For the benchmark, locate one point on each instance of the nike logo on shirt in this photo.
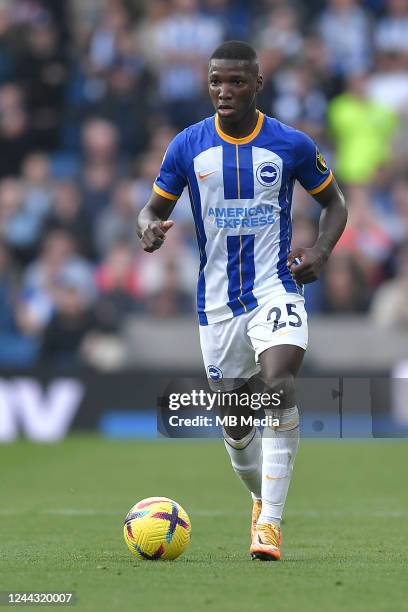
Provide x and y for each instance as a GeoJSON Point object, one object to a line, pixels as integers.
{"type": "Point", "coordinates": [204, 175]}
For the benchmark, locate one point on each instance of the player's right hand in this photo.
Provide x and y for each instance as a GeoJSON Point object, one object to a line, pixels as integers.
{"type": "Point", "coordinates": [154, 235]}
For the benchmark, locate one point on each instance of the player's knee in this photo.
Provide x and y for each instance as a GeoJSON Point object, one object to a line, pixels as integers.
{"type": "Point", "coordinates": [236, 424]}
{"type": "Point", "coordinates": [240, 433]}
{"type": "Point", "coordinates": [281, 388]}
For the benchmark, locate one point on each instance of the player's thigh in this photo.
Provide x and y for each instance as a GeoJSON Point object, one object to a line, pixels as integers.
{"type": "Point", "coordinates": [228, 353]}
{"type": "Point", "coordinates": [279, 335]}
{"type": "Point", "coordinates": [280, 321]}
{"type": "Point", "coordinates": [279, 367]}
{"type": "Point", "coordinates": [280, 361]}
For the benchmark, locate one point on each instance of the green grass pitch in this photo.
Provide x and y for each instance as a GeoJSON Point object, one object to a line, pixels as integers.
{"type": "Point", "coordinates": [345, 531]}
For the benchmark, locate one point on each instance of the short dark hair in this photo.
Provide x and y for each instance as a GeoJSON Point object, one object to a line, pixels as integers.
{"type": "Point", "coordinates": [235, 50]}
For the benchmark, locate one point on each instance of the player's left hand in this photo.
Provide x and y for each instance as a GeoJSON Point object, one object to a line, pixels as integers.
{"type": "Point", "coordinates": [305, 264]}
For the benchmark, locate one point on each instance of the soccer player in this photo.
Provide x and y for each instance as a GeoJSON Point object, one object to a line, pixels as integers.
{"type": "Point", "coordinates": [240, 167]}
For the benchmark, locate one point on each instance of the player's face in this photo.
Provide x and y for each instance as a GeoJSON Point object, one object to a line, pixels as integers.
{"type": "Point", "coordinates": [233, 86]}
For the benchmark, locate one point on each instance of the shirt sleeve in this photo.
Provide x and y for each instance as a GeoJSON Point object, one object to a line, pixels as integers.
{"type": "Point", "coordinates": [311, 169]}
{"type": "Point", "coordinates": [172, 177]}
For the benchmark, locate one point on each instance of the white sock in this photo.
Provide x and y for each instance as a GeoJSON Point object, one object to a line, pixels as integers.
{"type": "Point", "coordinates": [246, 459]}
{"type": "Point", "coordinates": [279, 447]}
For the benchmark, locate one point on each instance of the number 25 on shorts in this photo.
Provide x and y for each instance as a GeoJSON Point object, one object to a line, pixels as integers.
{"type": "Point", "coordinates": [275, 315]}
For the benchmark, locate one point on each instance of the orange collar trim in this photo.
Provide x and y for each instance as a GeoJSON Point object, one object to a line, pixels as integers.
{"type": "Point", "coordinates": [244, 140]}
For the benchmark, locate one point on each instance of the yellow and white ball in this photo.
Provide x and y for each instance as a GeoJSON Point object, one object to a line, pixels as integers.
{"type": "Point", "coordinates": [157, 528]}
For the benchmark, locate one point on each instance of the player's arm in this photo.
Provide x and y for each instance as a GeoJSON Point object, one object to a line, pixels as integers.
{"type": "Point", "coordinates": [313, 173]}
{"type": "Point", "coordinates": [332, 222]}
{"type": "Point", "coordinates": [153, 222]}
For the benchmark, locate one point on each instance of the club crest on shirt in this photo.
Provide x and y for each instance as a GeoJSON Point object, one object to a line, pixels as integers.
{"type": "Point", "coordinates": [321, 163]}
{"type": "Point", "coordinates": [214, 373]}
{"type": "Point", "coordinates": [268, 174]}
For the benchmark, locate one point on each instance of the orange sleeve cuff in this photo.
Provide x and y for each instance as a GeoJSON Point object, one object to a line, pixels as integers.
{"type": "Point", "coordinates": [164, 194]}
{"type": "Point", "coordinates": [322, 186]}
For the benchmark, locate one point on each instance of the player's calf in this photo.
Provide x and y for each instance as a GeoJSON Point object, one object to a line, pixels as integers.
{"type": "Point", "coordinates": [246, 458]}
{"type": "Point", "coordinates": [279, 447]}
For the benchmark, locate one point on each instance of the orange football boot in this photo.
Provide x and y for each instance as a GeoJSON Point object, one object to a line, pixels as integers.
{"type": "Point", "coordinates": [266, 542]}
{"type": "Point", "coordinates": [256, 511]}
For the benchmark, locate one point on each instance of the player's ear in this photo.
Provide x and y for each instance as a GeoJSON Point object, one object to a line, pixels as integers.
{"type": "Point", "coordinates": [259, 83]}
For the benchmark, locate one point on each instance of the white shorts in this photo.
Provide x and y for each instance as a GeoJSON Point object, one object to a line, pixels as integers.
{"type": "Point", "coordinates": [231, 348]}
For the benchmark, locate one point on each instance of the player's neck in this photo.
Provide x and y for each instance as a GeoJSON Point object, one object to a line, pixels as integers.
{"type": "Point", "coordinates": [241, 129]}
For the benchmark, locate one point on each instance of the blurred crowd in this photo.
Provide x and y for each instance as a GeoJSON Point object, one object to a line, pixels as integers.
{"type": "Point", "coordinates": [92, 91]}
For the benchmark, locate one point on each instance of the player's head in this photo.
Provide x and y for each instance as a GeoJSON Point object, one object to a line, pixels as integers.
{"type": "Point", "coordinates": [234, 80]}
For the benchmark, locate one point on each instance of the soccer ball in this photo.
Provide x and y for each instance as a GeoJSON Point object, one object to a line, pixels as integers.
{"type": "Point", "coordinates": [157, 528]}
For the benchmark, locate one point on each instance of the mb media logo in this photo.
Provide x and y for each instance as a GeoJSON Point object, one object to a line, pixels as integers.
{"type": "Point", "coordinates": [268, 174]}
{"type": "Point", "coordinates": [214, 373]}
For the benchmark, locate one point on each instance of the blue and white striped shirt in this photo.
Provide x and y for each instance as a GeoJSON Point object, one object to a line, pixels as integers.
{"type": "Point", "coordinates": [241, 195]}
